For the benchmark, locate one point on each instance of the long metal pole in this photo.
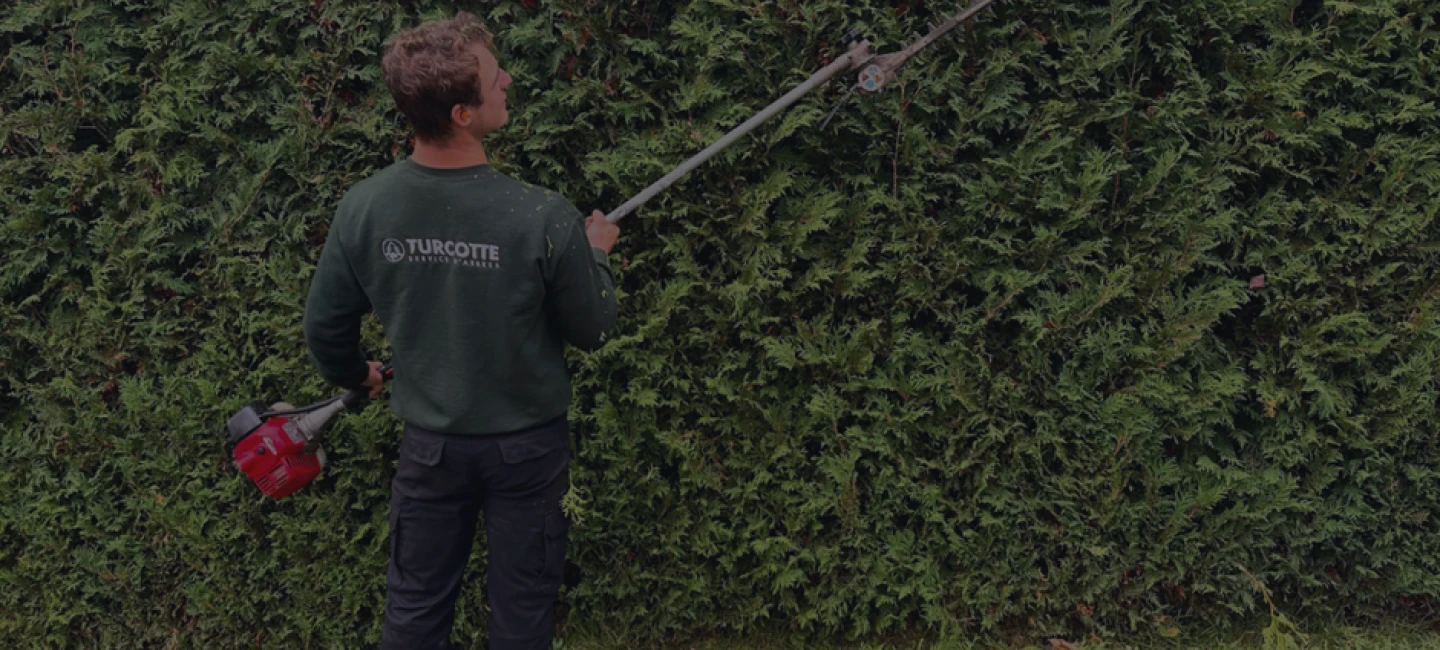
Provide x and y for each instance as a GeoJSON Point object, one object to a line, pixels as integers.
{"type": "Point", "coordinates": [858, 53]}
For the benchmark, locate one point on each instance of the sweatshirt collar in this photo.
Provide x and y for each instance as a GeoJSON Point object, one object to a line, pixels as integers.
{"type": "Point", "coordinates": [473, 171]}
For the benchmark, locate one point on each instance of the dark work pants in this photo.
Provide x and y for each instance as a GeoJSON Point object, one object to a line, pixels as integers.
{"type": "Point", "coordinates": [441, 484]}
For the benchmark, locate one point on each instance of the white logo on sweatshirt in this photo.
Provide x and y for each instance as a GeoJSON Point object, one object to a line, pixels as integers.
{"type": "Point", "coordinates": [442, 251]}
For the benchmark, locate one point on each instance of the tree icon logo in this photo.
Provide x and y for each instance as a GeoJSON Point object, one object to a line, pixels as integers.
{"type": "Point", "coordinates": [393, 249]}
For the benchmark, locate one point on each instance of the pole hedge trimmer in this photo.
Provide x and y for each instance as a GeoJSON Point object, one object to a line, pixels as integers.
{"type": "Point", "coordinates": [279, 447]}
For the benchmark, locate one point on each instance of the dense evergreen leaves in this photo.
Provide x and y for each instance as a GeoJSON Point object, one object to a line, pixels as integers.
{"type": "Point", "coordinates": [1106, 316]}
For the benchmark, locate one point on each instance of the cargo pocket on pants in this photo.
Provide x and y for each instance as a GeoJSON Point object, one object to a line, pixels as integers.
{"type": "Point", "coordinates": [557, 534]}
{"type": "Point", "coordinates": [418, 474]}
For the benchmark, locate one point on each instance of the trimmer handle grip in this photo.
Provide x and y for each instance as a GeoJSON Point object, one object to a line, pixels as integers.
{"type": "Point", "coordinates": [355, 398]}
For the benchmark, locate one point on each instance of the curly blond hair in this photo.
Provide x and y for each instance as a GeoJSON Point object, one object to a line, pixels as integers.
{"type": "Point", "coordinates": [431, 68]}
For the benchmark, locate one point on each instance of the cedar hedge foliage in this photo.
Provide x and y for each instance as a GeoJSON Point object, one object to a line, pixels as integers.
{"type": "Point", "coordinates": [1106, 317]}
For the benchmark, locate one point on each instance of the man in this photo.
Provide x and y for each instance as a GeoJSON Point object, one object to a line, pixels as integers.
{"type": "Point", "coordinates": [478, 279]}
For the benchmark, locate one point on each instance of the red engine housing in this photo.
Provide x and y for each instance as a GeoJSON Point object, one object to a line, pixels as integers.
{"type": "Point", "coordinates": [274, 457]}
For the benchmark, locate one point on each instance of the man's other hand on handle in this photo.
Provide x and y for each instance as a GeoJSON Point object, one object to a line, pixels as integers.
{"type": "Point", "coordinates": [601, 233]}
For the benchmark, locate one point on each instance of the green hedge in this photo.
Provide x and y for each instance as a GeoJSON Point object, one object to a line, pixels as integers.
{"type": "Point", "coordinates": [1101, 320]}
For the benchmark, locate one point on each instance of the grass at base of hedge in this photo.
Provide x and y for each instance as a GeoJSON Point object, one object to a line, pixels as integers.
{"type": "Point", "coordinates": [1391, 635]}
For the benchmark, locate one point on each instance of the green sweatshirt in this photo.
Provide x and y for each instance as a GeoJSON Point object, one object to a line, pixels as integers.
{"type": "Point", "coordinates": [477, 279]}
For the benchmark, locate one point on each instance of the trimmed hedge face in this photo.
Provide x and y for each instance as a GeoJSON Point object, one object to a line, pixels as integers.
{"type": "Point", "coordinates": [1099, 312]}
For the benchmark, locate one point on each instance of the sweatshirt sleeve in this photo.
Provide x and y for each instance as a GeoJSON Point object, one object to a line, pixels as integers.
{"type": "Point", "coordinates": [580, 288]}
{"type": "Point", "coordinates": [332, 317]}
